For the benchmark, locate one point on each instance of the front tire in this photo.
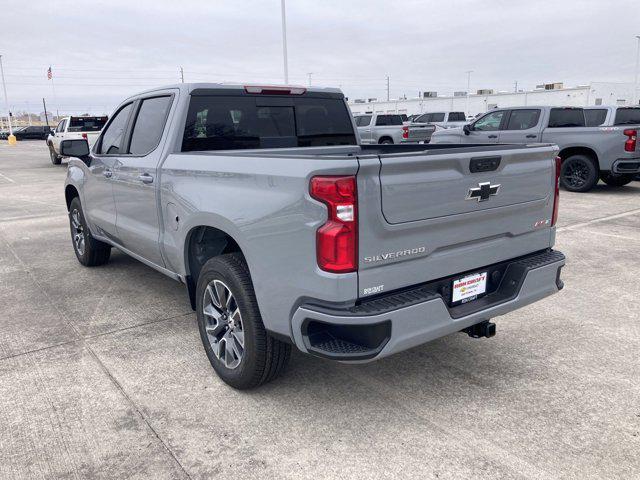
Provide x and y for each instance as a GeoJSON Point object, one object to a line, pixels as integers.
{"type": "Point", "coordinates": [616, 180]}
{"type": "Point", "coordinates": [239, 348]}
{"type": "Point", "coordinates": [55, 158]}
{"type": "Point", "coordinates": [89, 251]}
{"type": "Point", "coordinates": [578, 173]}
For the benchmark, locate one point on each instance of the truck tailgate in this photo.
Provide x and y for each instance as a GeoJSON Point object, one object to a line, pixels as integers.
{"type": "Point", "coordinates": [420, 133]}
{"type": "Point", "coordinates": [445, 211]}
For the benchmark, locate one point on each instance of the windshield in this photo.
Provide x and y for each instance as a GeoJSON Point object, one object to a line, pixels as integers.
{"type": "Point", "coordinates": [86, 124]}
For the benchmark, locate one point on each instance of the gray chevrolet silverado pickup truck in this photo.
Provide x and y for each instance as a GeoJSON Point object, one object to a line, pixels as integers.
{"type": "Point", "coordinates": [288, 232]}
{"type": "Point", "coordinates": [595, 142]}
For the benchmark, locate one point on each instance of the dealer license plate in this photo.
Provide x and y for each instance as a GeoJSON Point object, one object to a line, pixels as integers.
{"type": "Point", "coordinates": [468, 288]}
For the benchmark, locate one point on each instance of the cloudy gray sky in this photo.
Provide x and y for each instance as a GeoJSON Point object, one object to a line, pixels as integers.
{"type": "Point", "coordinates": [102, 51]}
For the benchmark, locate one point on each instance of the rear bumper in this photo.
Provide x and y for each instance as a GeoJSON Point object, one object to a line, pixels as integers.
{"type": "Point", "coordinates": [626, 165]}
{"type": "Point", "coordinates": [395, 322]}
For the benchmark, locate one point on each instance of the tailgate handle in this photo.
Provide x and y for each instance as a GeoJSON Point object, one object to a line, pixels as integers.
{"type": "Point", "coordinates": [484, 164]}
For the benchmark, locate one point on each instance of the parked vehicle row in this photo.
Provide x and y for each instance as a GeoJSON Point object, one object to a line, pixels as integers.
{"type": "Point", "coordinates": [595, 142]}
{"type": "Point", "coordinates": [289, 231]}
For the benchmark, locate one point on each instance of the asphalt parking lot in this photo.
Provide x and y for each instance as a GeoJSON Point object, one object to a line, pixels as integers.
{"type": "Point", "coordinates": [102, 373]}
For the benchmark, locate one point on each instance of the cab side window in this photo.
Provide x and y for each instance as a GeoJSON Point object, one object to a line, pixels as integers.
{"type": "Point", "coordinates": [113, 135]}
{"type": "Point", "coordinates": [149, 125]}
{"type": "Point", "coordinates": [523, 119]}
{"type": "Point", "coordinates": [490, 122]}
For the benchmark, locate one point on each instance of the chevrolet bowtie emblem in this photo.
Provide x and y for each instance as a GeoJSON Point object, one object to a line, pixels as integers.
{"type": "Point", "coordinates": [482, 192]}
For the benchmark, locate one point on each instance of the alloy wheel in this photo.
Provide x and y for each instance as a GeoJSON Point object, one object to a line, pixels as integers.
{"type": "Point", "coordinates": [576, 174]}
{"type": "Point", "coordinates": [77, 231]}
{"type": "Point", "coordinates": [223, 324]}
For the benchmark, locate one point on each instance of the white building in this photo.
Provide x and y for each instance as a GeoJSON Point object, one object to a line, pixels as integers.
{"type": "Point", "coordinates": [596, 93]}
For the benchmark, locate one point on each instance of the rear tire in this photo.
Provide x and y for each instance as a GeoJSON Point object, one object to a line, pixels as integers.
{"type": "Point", "coordinates": [578, 173]}
{"type": "Point", "coordinates": [616, 180]}
{"type": "Point", "coordinates": [386, 141]}
{"type": "Point", "coordinates": [55, 158]}
{"type": "Point", "coordinates": [89, 251]}
{"type": "Point", "coordinates": [239, 348]}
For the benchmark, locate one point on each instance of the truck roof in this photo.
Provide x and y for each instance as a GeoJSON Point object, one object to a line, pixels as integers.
{"type": "Point", "coordinates": [187, 88]}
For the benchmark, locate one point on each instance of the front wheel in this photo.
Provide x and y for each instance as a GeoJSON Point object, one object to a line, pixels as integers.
{"type": "Point", "coordinates": [89, 251]}
{"type": "Point", "coordinates": [578, 173]}
{"type": "Point", "coordinates": [55, 158]}
{"type": "Point", "coordinates": [616, 180]}
{"type": "Point", "coordinates": [239, 348]}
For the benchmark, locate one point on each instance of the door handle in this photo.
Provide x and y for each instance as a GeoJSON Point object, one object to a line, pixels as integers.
{"type": "Point", "coordinates": [493, 136]}
{"type": "Point", "coordinates": [532, 136]}
{"type": "Point", "coordinates": [145, 178]}
{"type": "Point", "coordinates": [107, 173]}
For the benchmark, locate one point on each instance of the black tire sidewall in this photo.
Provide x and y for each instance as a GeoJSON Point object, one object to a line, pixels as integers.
{"type": "Point", "coordinates": [616, 180]}
{"type": "Point", "coordinates": [245, 374]}
{"type": "Point", "coordinates": [593, 173]}
{"type": "Point", "coordinates": [55, 158]}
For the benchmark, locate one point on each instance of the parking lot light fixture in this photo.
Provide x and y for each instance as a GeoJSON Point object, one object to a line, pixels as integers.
{"type": "Point", "coordinates": [11, 138]}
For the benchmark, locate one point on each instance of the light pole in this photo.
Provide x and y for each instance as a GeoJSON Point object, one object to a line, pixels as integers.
{"type": "Point", "coordinates": [284, 42]}
{"type": "Point", "coordinates": [10, 138]}
{"type": "Point", "coordinates": [635, 83]}
{"type": "Point", "coordinates": [469, 72]}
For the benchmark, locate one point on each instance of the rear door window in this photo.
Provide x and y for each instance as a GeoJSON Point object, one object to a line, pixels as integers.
{"type": "Point", "coordinates": [220, 122]}
{"type": "Point", "coordinates": [566, 117]}
{"type": "Point", "coordinates": [386, 120]}
{"type": "Point", "coordinates": [112, 138]}
{"type": "Point", "coordinates": [523, 119]}
{"type": "Point", "coordinates": [149, 125]}
{"type": "Point", "coordinates": [363, 121]}
{"type": "Point", "coordinates": [594, 117]}
{"type": "Point", "coordinates": [627, 116]}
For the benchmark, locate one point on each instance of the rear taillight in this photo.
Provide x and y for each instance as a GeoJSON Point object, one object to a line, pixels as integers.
{"type": "Point", "coordinates": [84, 135]}
{"type": "Point", "coordinates": [337, 239]}
{"type": "Point", "coordinates": [405, 132]}
{"type": "Point", "coordinates": [556, 194]}
{"type": "Point", "coordinates": [632, 137]}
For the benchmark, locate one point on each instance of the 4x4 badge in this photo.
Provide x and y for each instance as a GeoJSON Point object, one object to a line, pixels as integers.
{"type": "Point", "coordinates": [483, 191]}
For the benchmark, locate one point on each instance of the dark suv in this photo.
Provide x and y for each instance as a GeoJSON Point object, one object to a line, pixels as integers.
{"type": "Point", "coordinates": [33, 133]}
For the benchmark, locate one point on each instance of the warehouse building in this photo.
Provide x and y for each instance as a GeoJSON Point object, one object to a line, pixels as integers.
{"type": "Point", "coordinates": [549, 94]}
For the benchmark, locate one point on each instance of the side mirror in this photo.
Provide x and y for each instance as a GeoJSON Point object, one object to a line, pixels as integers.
{"type": "Point", "coordinates": [467, 129]}
{"type": "Point", "coordinates": [75, 148]}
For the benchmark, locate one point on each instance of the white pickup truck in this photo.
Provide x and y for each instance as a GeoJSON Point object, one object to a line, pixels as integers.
{"type": "Point", "coordinates": [70, 128]}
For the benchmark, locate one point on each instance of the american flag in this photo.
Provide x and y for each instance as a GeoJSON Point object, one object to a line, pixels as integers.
{"type": "Point", "coordinates": [49, 74]}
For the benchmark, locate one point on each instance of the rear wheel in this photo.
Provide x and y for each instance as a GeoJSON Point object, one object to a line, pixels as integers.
{"type": "Point", "coordinates": [386, 141]}
{"type": "Point", "coordinates": [239, 348]}
{"type": "Point", "coordinates": [55, 158]}
{"type": "Point", "coordinates": [579, 173]}
{"type": "Point", "coordinates": [616, 180]}
{"type": "Point", "coordinates": [89, 251]}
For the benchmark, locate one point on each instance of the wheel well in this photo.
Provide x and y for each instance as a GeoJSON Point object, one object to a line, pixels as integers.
{"type": "Point", "coordinates": [382, 139]}
{"type": "Point", "coordinates": [203, 243]}
{"type": "Point", "coordinates": [69, 194]}
{"type": "Point", "coordinates": [569, 151]}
